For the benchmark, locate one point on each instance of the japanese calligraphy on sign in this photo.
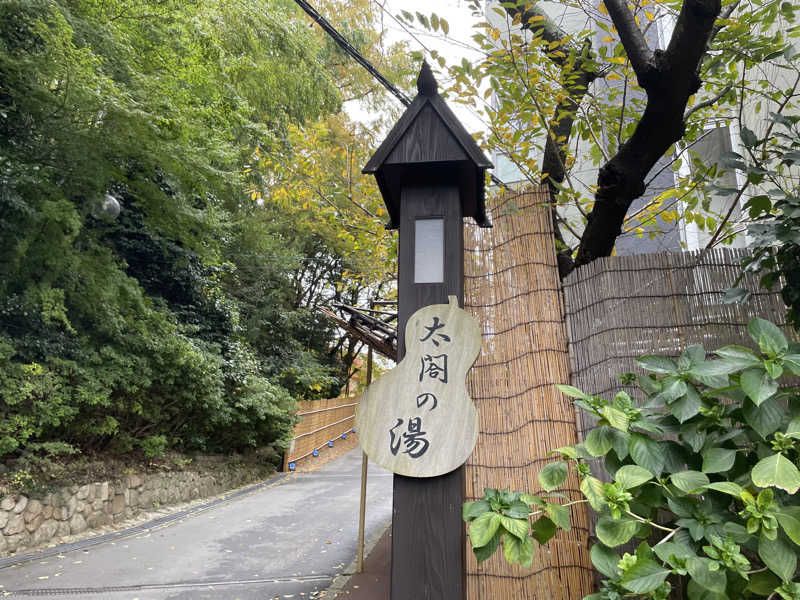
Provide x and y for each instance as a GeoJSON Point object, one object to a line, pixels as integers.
{"type": "Point", "coordinates": [418, 420]}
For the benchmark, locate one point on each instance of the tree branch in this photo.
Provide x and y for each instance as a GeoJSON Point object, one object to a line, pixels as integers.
{"type": "Point", "coordinates": [674, 79]}
{"type": "Point", "coordinates": [541, 25]}
{"type": "Point", "coordinates": [706, 103]}
{"type": "Point", "coordinates": [578, 72]}
{"type": "Point", "coordinates": [632, 38]}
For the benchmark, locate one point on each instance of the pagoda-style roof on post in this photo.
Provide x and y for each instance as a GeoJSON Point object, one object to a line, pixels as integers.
{"type": "Point", "coordinates": [428, 144]}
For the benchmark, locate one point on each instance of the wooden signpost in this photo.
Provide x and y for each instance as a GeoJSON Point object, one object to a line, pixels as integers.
{"type": "Point", "coordinates": [431, 175]}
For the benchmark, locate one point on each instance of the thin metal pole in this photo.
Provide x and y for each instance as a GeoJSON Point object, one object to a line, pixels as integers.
{"type": "Point", "coordinates": [363, 505]}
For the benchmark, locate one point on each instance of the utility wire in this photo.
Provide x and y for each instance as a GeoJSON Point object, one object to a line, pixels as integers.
{"type": "Point", "coordinates": [342, 42]}
{"type": "Point", "coordinates": [352, 51]}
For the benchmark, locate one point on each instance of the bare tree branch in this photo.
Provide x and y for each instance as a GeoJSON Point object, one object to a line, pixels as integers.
{"type": "Point", "coordinates": [632, 38]}
{"type": "Point", "coordinates": [673, 80]}
{"type": "Point", "coordinates": [710, 102]}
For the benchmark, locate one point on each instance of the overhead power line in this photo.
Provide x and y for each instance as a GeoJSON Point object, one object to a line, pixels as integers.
{"type": "Point", "coordinates": [352, 51]}
{"type": "Point", "coordinates": [345, 45]}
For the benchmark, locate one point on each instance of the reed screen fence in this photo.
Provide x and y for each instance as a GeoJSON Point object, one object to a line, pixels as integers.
{"type": "Point", "coordinates": [619, 308]}
{"type": "Point", "coordinates": [321, 422]}
{"type": "Point", "coordinates": [512, 288]}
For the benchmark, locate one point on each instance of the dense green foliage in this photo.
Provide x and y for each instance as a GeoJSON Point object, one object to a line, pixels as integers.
{"type": "Point", "coordinates": [186, 321]}
{"type": "Point", "coordinates": [772, 160]}
{"type": "Point", "coordinates": [705, 470]}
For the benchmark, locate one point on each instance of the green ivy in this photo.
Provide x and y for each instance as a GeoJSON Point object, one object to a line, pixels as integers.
{"type": "Point", "coordinates": [704, 469]}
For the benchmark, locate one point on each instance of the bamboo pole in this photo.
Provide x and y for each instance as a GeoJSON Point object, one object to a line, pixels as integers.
{"type": "Point", "coordinates": [363, 505]}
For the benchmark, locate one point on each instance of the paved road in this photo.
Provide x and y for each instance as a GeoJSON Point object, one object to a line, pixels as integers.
{"type": "Point", "coordinates": [287, 540]}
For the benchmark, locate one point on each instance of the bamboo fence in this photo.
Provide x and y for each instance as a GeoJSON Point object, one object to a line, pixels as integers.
{"type": "Point", "coordinates": [623, 307]}
{"type": "Point", "coordinates": [512, 287]}
{"type": "Point", "coordinates": [321, 422]}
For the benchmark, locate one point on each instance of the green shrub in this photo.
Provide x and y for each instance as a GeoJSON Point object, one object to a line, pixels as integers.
{"type": "Point", "coordinates": [154, 446]}
{"type": "Point", "coordinates": [704, 470]}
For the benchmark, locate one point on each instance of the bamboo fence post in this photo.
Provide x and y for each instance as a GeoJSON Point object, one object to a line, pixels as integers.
{"type": "Point", "coordinates": [363, 504]}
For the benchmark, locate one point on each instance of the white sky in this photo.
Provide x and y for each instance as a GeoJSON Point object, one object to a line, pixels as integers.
{"type": "Point", "coordinates": [458, 17]}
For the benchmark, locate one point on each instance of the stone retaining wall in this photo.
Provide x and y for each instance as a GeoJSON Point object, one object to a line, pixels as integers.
{"type": "Point", "coordinates": [28, 522]}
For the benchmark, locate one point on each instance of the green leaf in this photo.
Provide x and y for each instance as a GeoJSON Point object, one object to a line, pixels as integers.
{"type": "Point", "coordinates": [621, 438]}
{"type": "Point", "coordinates": [482, 529]}
{"type": "Point", "coordinates": [674, 456]}
{"type": "Point", "coordinates": [736, 295]}
{"type": "Point", "coordinates": [644, 576]}
{"type": "Point", "coordinates": [544, 529]}
{"type": "Point", "coordinates": [778, 471]}
{"type": "Point", "coordinates": [615, 417]}
{"type": "Point", "coordinates": [690, 482]}
{"type": "Point", "coordinates": [792, 362]}
{"type": "Point", "coordinates": [599, 441]}
{"type": "Point", "coordinates": [592, 489]}
{"type": "Point", "coordinates": [518, 510]}
{"type": "Point", "coordinates": [763, 583]}
{"type": "Point", "coordinates": [714, 368]}
{"type": "Point", "coordinates": [737, 532]}
{"type": "Point", "coordinates": [793, 429]}
{"type": "Point", "coordinates": [472, 510]}
{"type": "Point", "coordinates": [658, 364]}
{"type": "Point", "coordinates": [631, 476]}
{"type": "Point", "coordinates": [770, 338]}
{"type": "Point", "coordinates": [673, 389]}
{"type": "Point", "coordinates": [695, 591]}
{"type": "Point", "coordinates": [692, 435]}
{"type": "Point", "coordinates": [749, 138]}
{"type": "Point", "coordinates": [726, 487]}
{"type": "Point", "coordinates": [666, 550]}
{"type": "Point", "coordinates": [758, 385]}
{"type": "Point", "coordinates": [646, 453]}
{"type": "Point", "coordinates": [779, 556]}
{"type": "Point", "coordinates": [615, 532]}
{"type": "Point", "coordinates": [482, 553]}
{"type": "Point", "coordinates": [517, 527]}
{"type": "Point", "coordinates": [565, 452]}
{"type": "Point", "coordinates": [742, 357]}
{"type": "Point", "coordinates": [764, 419]}
{"type": "Point", "coordinates": [553, 475]}
{"type": "Point", "coordinates": [605, 560]}
{"type": "Point", "coordinates": [718, 460]}
{"type": "Point", "coordinates": [789, 519]}
{"type": "Point", "coordinates": [572, 392]}
{"type": "Point", "coordinates": [691, 356]}
{"type": "Point", "coordinates": [699, 570]}
{"type": "Point", "coordinates": [559, 515]}
{"type": "Point", "coordinates": [687, 406]}
{"type": "Point", "coordinates": [518, 550]}
{"type": "Point", "coordinates": [532, 500]}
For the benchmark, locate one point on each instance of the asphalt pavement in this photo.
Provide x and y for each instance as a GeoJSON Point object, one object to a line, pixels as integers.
{"type": "Point", "coordinates": [289, 539]}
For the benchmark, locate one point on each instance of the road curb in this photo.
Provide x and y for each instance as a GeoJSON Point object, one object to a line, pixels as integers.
{"type": "Point", "coordinates": [341, 580]}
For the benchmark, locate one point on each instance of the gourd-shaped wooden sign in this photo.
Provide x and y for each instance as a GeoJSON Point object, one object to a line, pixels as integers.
{"type": "Point", "coordinates": [418, 420]}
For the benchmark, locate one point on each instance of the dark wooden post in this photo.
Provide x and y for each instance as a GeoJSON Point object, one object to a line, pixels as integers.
{"type": "Point", "coordinates": [431, 175]}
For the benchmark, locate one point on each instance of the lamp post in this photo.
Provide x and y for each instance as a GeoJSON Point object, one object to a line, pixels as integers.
{"type": "Point", "coordinates": [431, 175]}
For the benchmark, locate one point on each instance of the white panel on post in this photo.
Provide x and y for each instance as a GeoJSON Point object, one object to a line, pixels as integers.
{"type": "Point", "coordinates": [429, 251]}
